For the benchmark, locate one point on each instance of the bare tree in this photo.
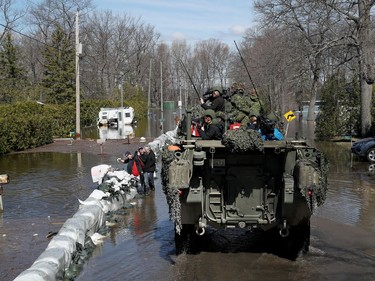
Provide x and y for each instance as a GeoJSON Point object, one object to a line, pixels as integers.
{"type": "Point", "coordinates": [144, 42]}
{"type": "Point", "coordinates": [268, 59]}
{"type": "Point", "coordinates": [360, 35]}
{"type": "Point", "coordinates": [308, 23]}
{"type": "Point", "coordinates": [45, 15]}
{"type": "Point", "coordinates": [211, 59]}
{"type": "Point", "coordinates": [117, 50]}
{"type": "Point", "coordinates": [181, 54]}
{"type": "Point", "coordinates": [99, 64]}
{"type": "Point", "coordinates": [9, 16]}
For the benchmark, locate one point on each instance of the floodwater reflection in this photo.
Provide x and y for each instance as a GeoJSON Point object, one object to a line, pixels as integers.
{"type": "Point", "coordinates": [155, 124]}
{"type": "Point", "coordinates": [126, 131]}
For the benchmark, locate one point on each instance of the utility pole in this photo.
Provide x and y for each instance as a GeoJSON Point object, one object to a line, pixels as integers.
{"type": "Point", "coordinates": [121, 83]}
{"type": "Point", "coordinates": [161, 98]}
{"type": "Point", "coordinates": [161, 88]}
{"type": "Point", "coordinates": [180, 100]}
{"type": "Point", "coordinates": [122, 95]}
{"type": "Point", "coordinates": [78, 108]}
{"type": "Point", "coordinates": [149, 90]}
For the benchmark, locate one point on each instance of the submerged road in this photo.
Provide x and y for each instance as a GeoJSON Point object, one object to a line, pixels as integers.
{"type": "Point", "coordinates": [45, 187]}
{"type": "Point", "coordinates": [342, 247]}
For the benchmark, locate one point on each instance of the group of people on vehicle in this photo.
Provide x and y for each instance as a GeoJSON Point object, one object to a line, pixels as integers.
{"type": "Point", "coordinates": [239, 109]}
{"type": "Point", "coordinates": [141, 163]}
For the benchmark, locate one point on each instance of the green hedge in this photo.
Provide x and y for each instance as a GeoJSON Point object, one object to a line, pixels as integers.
{"type": "Point", "coordinates": [26, 125]}
{"type": "Point", "coordinates": [23, 131]}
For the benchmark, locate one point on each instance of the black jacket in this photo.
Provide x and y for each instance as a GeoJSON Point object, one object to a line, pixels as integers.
{"type": "Point", "coordinates": [137, 160]}
{"type": "Point", "coordinates": [211, 132]}
{"type": "Point", "coordinates": [218, 104]}
{"type": "Point", "coordinates": [150, 162]}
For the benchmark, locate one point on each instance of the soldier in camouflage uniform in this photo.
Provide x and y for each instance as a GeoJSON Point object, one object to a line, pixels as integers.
{"type": "Point", "coordinates": [243, 105]}
{"type": "Point", "coordinates": [237, 108]}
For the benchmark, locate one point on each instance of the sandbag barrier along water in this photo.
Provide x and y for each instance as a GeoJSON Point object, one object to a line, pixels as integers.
{"type": "Point", "coordinates": [80, 231]}
{"type": "Point", "coordinates": [66, 253]}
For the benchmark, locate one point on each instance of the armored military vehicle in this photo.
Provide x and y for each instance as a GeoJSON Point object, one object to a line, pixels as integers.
{"type": "Point", "coordinates": [243, 182]}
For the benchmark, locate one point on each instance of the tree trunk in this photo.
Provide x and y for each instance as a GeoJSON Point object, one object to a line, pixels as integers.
{"type": "Point", "coordinates": [311, 111]}
{"type": "Point", "coordinates": [366, 52]}
{"type": "Point", "coordinates": [366, 97]}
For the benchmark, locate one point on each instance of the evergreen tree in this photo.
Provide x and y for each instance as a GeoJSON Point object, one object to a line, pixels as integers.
{"type": "Point", "coordinates": [339, 113]}
{"type": "Point", "coordinates": [12, 74]}
{"type": "Point", "coordinates": [59, 63]}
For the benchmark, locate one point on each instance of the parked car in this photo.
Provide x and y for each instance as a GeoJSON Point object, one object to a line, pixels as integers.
{"type": "Point", "coordinates": [365, 148]}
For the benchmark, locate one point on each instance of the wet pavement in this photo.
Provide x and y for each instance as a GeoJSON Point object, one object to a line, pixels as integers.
{"type": "Point", "coordinates": [43, 193]}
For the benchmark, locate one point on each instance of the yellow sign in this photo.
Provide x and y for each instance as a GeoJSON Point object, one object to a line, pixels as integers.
{"type": "Point", "coordinates": [289, 116]}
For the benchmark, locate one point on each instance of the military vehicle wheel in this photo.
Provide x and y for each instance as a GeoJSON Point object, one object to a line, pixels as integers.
{"type": "Point", "coordinates": [305, 233]}
{"type": "Point", "coordinates": [184, 241]}
{"type": "Point", "coordinates": [296, 242]}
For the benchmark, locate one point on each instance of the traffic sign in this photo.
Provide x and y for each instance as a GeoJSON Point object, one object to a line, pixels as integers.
{"type": "Point", "coordinates": [289, 116]}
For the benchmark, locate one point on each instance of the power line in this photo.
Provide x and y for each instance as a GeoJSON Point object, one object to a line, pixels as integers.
{"type": "Point", "coordinates": [27, 36]}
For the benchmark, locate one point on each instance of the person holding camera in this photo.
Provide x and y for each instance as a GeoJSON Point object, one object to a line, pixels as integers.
{"type": "Point", "coordinates": [214, 100]}
{"type": "Point", "coordinates": [135, 166]}
{"type": "Point", "coordinates": [268, 129]}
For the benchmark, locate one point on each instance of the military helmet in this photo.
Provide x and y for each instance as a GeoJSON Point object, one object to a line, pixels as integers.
{"type": "Point", "coordinates": [220, 114]}
{"type": "Point", "coordinates": [238, 88]}
{"type": "Point", "coordinates": [217, 88]}
{"type": "Point", "coordinates": [209, 112]}
{"type": "Point", "coordinates": [253, 94]}
{"type": "Point", "coordinates": [272, 116]}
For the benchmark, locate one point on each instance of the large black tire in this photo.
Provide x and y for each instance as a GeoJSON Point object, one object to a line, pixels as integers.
{"type": "Point", "coordinates": [184, 241]}
{"type": "Point", "coordinates": [297, 241]}
{"type": "Point", "coordinates": [306, 238]}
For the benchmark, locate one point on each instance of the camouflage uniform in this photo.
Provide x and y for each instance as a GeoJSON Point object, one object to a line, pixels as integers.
{"type": "Point", "coordinates": [243, 105]}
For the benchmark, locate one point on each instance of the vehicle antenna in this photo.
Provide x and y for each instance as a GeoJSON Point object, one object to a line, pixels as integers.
{"type": "Point", "coordinates": [247, 70]}
{"type": "Point", "coordinates": [191, 80]}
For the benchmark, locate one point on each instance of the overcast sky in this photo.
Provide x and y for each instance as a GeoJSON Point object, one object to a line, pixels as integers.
{"type": "Point", "coordinates": [191, 20]}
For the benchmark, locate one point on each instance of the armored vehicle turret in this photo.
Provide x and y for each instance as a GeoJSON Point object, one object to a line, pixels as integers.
{"type": "Point", "coordinates": [243, 182]}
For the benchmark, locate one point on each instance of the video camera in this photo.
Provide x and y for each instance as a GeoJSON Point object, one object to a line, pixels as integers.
{"type": "Point", "coordinates": [209, 95]}
{"type": "Point", "coordinates": [197, 122]}
{"type": "Point", "coordinates": [226, 94]}
{"type": "Point", "coordinates": [267, 126]}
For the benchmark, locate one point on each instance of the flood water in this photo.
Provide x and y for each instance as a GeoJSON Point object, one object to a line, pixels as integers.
{"type": "Point", "coordinates": [44, 190]}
